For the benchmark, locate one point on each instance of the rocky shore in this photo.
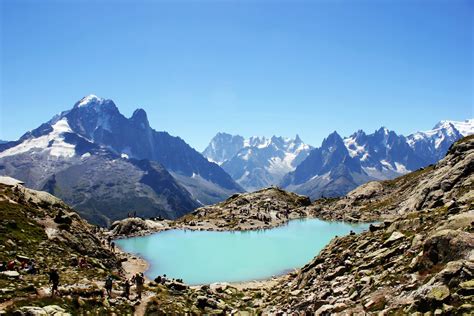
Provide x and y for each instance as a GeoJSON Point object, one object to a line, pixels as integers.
{"type": "Point", "coordinates": [263, 209]}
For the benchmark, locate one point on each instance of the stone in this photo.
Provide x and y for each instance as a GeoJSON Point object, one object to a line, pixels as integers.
{"type": "Point", "coordinates": [446, 245]}
{"type": "Point", "coordinates": [53, 309]}
{"type": "Point", "coordinates": [467, 285]}
{"type": "Point", "coordinates": [202, 302]}
{"type": "Point", "coordinates": [439, 293]}
{"type": "Point", "coordinates": [11, 274]}
{"type": "Point", "coordinates": [337, 272]}
{"type": "Point", "coordinates": [178, 286]}
{"type": "Point", "coordinates": [325, 309]}
{"type": "Point", "coordinates": [295, 292]}
{"type": "Point", "coordinates": [393, 238]}
{"type": "Point", "coordinates": [376, 227]}
{"type": "Point", "coordinates": [459, 221]}
{"type": "Point", "coordinates": [33, 311]}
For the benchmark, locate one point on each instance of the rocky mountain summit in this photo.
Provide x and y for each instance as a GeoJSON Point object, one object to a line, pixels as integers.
{"type": "Point", "coordinates": [419, 260]}
{"type": "Point", "coordinates": [256, 162]}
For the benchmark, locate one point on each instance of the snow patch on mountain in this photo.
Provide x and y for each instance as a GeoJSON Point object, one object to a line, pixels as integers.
{"type": "Point", "coordinates": [52, 142]}
{"type": "Point", "coordinates": [91, 98]}
{"type": "Point", "coordinates": [352, 146]}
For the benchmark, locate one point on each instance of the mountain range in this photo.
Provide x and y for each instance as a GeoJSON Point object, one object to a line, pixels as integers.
{"type": "Point", "coordinates": [341, 164]}
{"type": "Point", "coordinates": [338, 165]}
{"type": "Point", "coordinates": [107, 165]}
{"type": "Point", "coordinates": [256, 162]}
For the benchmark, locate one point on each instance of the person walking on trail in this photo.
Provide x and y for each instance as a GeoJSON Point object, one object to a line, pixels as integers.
{"type": "Point", "coordinates": [54, 279]}
{"type": "Point", "coordinates": [112, 246]}
{"type": "Point", "coordinates": [126, 289]}
{"type": "Point", "coordinates": [139, 281]}
{"type": "Point", "coordinates": [108, 285]}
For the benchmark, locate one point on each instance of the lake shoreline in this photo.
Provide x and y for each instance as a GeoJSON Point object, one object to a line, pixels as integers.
{"type": "Point", "coordinates": [255, 281]}
{"type": "Point", "coordinates": [209, 226]}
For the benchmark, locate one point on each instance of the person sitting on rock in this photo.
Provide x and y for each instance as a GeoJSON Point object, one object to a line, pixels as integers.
{"type": "Point", "coordinates": [126, 289]}
{"type": "Point", "coordinates": [31, 268]}
{"type": "Point", "coordinates": [54, 279]}
{"type": "Point", "coordinates": [139, 281]}
{"type": "Point", "coordinates": [108, 285]}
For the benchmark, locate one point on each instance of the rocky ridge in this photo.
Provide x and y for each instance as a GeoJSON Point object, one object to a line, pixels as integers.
{"type": "Point", "coordinates": [421, 260]}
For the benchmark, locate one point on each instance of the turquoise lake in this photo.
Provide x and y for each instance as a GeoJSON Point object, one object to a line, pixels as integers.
{"type": "Point", "coordinates": [202, 257]}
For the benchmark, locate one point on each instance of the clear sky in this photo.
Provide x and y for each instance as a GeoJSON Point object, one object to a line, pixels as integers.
{"type": "Point", "coordinates": [243, 67]}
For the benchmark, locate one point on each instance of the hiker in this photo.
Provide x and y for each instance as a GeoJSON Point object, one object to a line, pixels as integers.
{"type": "Point", "coordinates": [139, 281]}
{"type": "Point", "coordinates": [11, 265]}
{"type": "Point", "coordinates": [31, 269]}
{"type": "Point", "coordinates": [108, 285]}
{"type": "Point", "coordinates": [112, 246]}
{"type": "Point", "coordinates": [126, 289]}
{"type": "Point", "coordinates": [54, 278]}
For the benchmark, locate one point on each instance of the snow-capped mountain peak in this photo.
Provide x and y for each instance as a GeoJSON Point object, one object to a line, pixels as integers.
{"type": "Point", "coordinates": [257, 161]}
{"type": "Point", "coordinates": [89, 99]}
{"type": "Point", "coordinates": [465, 128]}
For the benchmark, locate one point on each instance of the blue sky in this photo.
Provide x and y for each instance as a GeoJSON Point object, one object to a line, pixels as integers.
{"type": "Point", "coordinates": [243, 67]}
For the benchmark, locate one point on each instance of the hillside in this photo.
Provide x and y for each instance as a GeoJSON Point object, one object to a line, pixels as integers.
{"type": "Point", "coordinates": [36, 225]}
{"type": "Point", "coordinates": [420, 260]}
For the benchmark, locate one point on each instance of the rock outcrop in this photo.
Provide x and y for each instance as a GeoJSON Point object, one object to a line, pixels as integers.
{"type": "Point", "coordinates": [261, 209]}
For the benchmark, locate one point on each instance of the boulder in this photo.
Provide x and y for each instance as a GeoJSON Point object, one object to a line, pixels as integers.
{"type": "Point", "coordinates": [439, 293]}
{"type": "Point", "coordinates": [178, 286]}
{"type": "Point", "coordinates": [393, 238]}
{"type": "Point", "coordinates": [459, 221]}
{"type": "Point", "coordinates": [11, 274]}
{"type": "Point", "coordinates": [33, 311]}
{"type": "Point", "coordinates": [446, 245]}
{"type": "Point", "coordinates": [325, 309]}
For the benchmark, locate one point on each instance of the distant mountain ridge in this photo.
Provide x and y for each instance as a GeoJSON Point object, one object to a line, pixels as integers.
{"type": "Point", "coordinates": [104, 164]}
{"type": "Point", "coordinates": [256, 162]}
{"type": "Point", "coordinates": [340, 165]}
